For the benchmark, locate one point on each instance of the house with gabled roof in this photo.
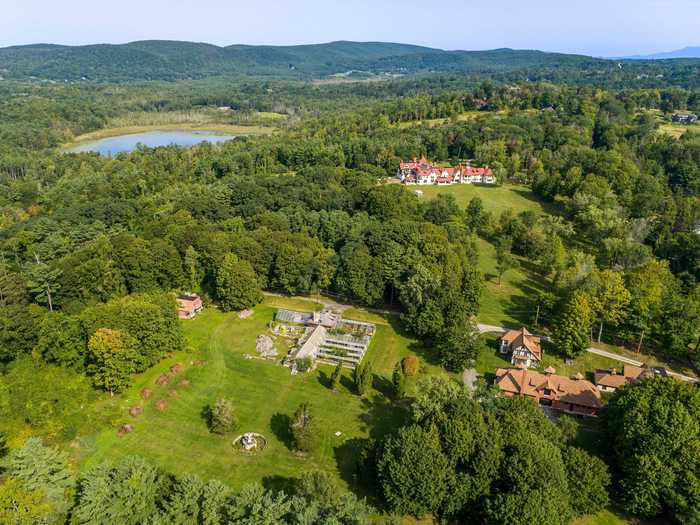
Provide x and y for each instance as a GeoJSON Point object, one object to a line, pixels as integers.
{"type": "Point", "coordinates": [421, 172]}
{"type": "Point", "coordinates": [574, 395]}
{"type": "Point", "coordinates": [523, 347]}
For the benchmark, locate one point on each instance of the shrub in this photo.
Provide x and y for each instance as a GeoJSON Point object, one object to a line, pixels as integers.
{"type": "Point", "coordinates": [410, 365]}
{"type": "Point", "coordinates": [303, 429]}
{"type": "Point", "coordinates": [222, 420]}
{"type": "Point", "coordinates": [304, 364]}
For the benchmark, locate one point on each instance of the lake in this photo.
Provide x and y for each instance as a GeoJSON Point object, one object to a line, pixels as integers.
{"type": "Point", "coordinates": [151, 139]}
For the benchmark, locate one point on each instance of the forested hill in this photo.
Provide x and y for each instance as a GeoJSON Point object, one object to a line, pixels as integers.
{"type": "Point", "coordinates": [168, 60]}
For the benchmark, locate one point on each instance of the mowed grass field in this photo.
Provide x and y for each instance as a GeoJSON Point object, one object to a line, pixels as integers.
{"type": "Point", "coordinates": [496, 199]}
{"type": "Point", "coordinates": [265, 396]}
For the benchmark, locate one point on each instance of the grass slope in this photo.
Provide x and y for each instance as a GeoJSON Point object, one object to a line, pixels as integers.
{"type": "Point", "coordinates": [265, 396]}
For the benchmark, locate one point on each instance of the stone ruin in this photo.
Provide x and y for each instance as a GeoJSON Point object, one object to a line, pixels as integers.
{"type": "Point", "coordinates": [135, 410]}
{"type": "Point", "coordinates": [163, 379]}
{"type": "Point", "coordinates": [146, 393]}
{"type": "Point", "coordinates": [161, 405]}
{"type": "Point", "coordinates": [265, 346]}
{"type": "Point", "coordinates": [245, 314]}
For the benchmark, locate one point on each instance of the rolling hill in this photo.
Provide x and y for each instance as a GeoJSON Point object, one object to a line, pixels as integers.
{"type": "Point", "coordinates": [686, 52]}
{"type": "Point", "coordinates": [171, 60]}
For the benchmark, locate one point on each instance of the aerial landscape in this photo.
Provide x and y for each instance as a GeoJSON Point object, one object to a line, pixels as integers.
{"type": "Point", "coordinates": [371, 264]}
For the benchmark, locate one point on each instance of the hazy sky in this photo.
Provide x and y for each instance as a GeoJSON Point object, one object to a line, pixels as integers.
{"type": "Point", "coordinates": [596, 27]}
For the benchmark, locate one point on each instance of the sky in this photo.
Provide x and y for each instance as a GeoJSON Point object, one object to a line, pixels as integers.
{"type": "Point", "coordinates": [593, 27]}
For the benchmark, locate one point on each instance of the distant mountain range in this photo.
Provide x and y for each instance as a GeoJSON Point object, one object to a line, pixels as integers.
{"type": "Point", "coordinates": [686, 52]}
{"type": "Point", "coordinates": [172, 60]}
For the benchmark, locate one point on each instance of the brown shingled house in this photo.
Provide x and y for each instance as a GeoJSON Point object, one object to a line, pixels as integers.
{"type": "Point", "coordinates": [611, 380]}
{"type": "Point", "coordinates": [573, 395]}
{"type": "Point", "coordinates": [523, 347]}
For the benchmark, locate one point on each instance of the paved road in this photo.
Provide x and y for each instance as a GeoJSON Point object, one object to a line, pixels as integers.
{"type": "Point", "coordinates": [617, 357]}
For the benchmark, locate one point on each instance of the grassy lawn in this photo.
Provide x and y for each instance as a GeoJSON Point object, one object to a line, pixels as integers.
{"type": "Point", "coordinates": [495, 198]}
{"type": "Point", "coordinates": [265, 396]}
{"type": "Point", "coordinates": [510, 302]}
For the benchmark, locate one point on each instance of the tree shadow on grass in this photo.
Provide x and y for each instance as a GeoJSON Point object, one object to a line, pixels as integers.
{"type": "Point", "coordinates": [324, 379]}
{"type": "Point", "coordinates": [280, 484]}
{"type": "Point", "coordinates": [281, 425]}
{"type": "Point", "coordinates": [348, 383]}
{"type": "Point", "coordinates": [383, 385]}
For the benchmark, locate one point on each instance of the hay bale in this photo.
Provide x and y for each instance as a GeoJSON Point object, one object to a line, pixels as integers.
{"type": "Point", "coordinates": [146, 393]}
{"type": "Point", "coordinates": [184, 383]}
{"type": "Point", "coordinates": [245, 314]}
{"type": "Point", "coordinates": [135, 410]}
{"type": "Point", "coordinates": [177, 368]}
{"type": "Point", "coordinates": [125, 429]}
{"type": "Point", "coordinates": [163, 379]}
{"type": "Point", "coordinates": [161, 405]}
{"type": "Point", "coordinates": [172, 392]}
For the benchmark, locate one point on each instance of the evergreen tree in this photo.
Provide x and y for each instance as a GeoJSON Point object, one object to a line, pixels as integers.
{"type": "Point", "coordinates": [304, 429]}
{"type": "Point", "coordinates": [335, 377]}
{"type": "Point", "coordinates": [129, 493]}
{"type": "Point", "coordinates": [398, 379]}
{"type": "Point", "coordinates": [41, 468]}
{"type": "Point", "coordinates": [363, 377]}
{"type": "Point", "coordinates": [222, 419]}
{"type": "Point", "coordinates": [192, 268]}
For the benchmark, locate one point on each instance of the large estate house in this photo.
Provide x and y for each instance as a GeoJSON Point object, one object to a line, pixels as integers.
{"type": "Point", "coordinates": [523, 347]}
{"type": "Point", "coordinates": [424, 172]}
{"type": "Point", "coordinates": [574, 395]}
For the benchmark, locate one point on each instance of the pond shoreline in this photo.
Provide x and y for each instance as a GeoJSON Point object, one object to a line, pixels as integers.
{"type": "Point", "coordinates": [212, 128]}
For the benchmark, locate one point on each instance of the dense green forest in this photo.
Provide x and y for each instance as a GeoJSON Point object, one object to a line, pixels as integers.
{"type": "Point", "coordinates": [169, 60]}
{"type": "Point", "coordinates": [92, 249]}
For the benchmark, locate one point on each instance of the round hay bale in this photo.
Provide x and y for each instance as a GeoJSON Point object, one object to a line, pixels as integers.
{"type": "Point", "coordinates": [162, 404]}
{"type": "Point", "coordinates": [146, 393]}
{"type": "Point", "coordinates": [172, 392]}
{"type": "Point", "coordinates": [125, 429]}
{"type": "Point", "coordinates": [185, 383]}
{"type": "Point", "coordinates": [135, 410]}
{"type": "Point", "coordinates": [163, 379]}
{"type": "Point", "coordinates": [177, 368]}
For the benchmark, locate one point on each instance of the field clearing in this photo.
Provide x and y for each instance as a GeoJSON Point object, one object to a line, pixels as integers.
{"type": "Point", "coordinates": [676, 130]}
{"type": "Point", "coordinates": [496, 199]}
{"type": "Point", "coordinates": [265, 396]}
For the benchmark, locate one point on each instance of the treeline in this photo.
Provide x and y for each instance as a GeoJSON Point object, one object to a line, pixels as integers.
{"type": "Point", "coordinates": [39, 486]}
{"type": "Point", "coordinates": [471, 457]}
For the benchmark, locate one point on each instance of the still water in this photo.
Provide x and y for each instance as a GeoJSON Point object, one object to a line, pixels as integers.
{"type": "Point", "coordinates": [151, 139]}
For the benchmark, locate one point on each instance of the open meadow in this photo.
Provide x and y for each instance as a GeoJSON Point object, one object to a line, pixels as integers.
{"type": "Point", "coordinates": [265, 396]}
